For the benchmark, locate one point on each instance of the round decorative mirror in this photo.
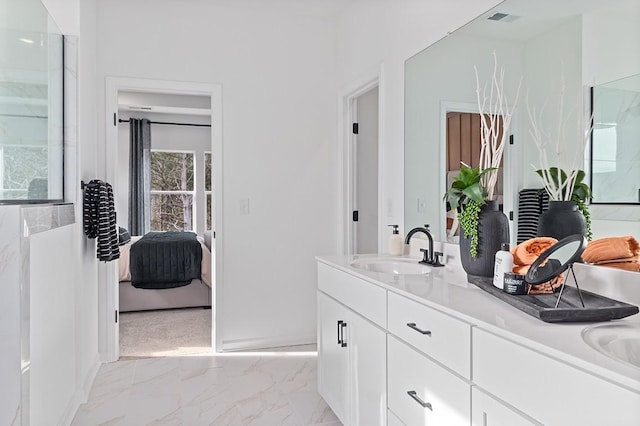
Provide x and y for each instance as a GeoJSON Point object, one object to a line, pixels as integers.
{"type": "Point", "coordinates": [556, 259]}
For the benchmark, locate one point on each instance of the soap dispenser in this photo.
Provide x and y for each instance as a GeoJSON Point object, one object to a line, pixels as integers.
{"type": "Point", "coordinates": [396, 242]}
{"type": "Point", "coordinates": [503, 264]}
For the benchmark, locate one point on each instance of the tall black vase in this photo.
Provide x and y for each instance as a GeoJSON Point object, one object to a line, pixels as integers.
{"type": "Point", "coordinates": [561, 220]}
{"type": "Point", "coordinates": [493, 230]}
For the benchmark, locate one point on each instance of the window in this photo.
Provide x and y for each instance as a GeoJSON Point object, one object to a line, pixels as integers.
{"type": "Point", "coordinates": [208, 189]}
{"type": "Point", "coordinates": [172, 191]}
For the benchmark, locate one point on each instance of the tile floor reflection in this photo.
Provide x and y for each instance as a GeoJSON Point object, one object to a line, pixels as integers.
{"type": "Point", "coordinates": [229, 389]}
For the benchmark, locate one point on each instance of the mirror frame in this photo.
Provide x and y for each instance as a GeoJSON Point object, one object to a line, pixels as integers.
{"type": "Point", "coordinates": [535, 267]}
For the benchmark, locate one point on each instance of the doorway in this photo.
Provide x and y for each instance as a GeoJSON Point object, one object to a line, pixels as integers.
{"type": "Point", "coordinates": [360, 178]}
{"type": "Point", "coordinates": [171, 103]}
{"type": "Point", "coordinates": [365, 173]}
{"type": "Point", "coordinates": [461, 134]}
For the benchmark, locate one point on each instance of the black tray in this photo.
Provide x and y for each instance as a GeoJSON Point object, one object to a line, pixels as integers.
{"type": "Point", "coordinates": [542, 306]}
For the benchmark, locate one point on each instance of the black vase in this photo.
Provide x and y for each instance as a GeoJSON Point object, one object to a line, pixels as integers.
{"type": "Point", "coordinates": [561, 220]}
{"type": "Point", "coordinates": [493, 231]}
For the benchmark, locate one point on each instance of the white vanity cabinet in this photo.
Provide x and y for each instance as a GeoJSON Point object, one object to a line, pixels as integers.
{"type": "Point", "coordinates": [548, 390]}
{"type": "Point", "coordinates": [429, 364]}
{"type": "Point", "coordinates": [385, 357]}
{"type": "Point", "coordinates": [351, 348]}
{"type": "Point", "coordinates": [422, 392]}
{"type": "Point", "coordinates": [488, 411]}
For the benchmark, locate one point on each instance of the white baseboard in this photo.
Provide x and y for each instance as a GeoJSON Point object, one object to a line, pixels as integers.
{"type": "Point", "coordinates": [81, 395]}
{"type": "Point", "coordinates": [268, 342]}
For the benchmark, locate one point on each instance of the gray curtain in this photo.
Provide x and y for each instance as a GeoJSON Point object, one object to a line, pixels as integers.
{"type": "Point", "coordinates": [139, 176]}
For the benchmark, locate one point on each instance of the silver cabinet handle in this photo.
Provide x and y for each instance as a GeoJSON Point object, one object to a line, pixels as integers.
{"type": "Point", "coordinates": [342, 327]}
{"type": "Point", "coordinates": [414, 395]}
{"type": "Point", "coordinates": [412, 325]}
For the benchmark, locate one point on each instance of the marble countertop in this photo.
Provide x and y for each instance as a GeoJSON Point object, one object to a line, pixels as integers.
{"type": "Point", "coordinates": [447, 290]}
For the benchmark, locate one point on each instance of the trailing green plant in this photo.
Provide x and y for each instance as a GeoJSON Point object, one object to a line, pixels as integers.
{"type": "Point", "coordinates": [469, 219]}
{"type": "Point", "coordinates": [467, 195]}
{"type": "Point", "coordinates": [563, 186]}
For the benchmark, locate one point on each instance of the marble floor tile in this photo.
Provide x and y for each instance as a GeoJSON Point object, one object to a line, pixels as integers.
{"type": "Point", "coordinates": [227, 389]}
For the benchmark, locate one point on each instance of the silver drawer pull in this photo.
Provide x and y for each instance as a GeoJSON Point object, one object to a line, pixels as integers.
{"type": "Point", "coordinates": [413, 326]}
{"type": "Point", "coordinates": [414, 395]}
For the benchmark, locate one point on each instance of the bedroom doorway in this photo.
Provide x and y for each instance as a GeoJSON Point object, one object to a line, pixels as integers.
{"type": "Point", "coordinates": [184, 120]}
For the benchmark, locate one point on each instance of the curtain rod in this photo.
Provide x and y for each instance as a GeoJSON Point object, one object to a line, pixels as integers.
{"type": "Point", "coordinates": [120, 120]}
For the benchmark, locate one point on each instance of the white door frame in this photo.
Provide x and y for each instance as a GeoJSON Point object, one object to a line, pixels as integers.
{"type": "Point", "coordinates": [346, 156]}
{"type": "Point", "coordinates": [510, 161]}
{"type": "Point", "coordinates": [108, 294]}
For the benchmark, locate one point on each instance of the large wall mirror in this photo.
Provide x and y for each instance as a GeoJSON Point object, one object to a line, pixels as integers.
{"type": "Point", "coordinates": [560, 49]}
{"type": "Point", "coordinates": [615, 143]}
{"type": "Point", "coordinates": [31, 104]}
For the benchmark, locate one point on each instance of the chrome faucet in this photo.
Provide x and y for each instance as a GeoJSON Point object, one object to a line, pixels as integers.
{"type": "Point", "coordinates": [430, 258]}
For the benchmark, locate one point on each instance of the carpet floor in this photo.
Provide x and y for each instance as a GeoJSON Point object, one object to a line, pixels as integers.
{"type": "Point", "coordinates": [171, 332]}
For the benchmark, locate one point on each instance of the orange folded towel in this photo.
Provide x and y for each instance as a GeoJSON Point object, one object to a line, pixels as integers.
{"type": "Point", "coordinates": [611, 248]}
{"type": "Point", "coordinates": [525, 253]}
{"type": "Point", "coordinates": [528, 251]}
{"type": "Point", "coordinates": [627, 266]}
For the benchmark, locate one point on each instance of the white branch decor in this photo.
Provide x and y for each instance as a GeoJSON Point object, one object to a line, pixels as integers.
{"type": "Point", "coordinates": [495, 119]}
{"type": "Point", "coordinates": [558, 188]}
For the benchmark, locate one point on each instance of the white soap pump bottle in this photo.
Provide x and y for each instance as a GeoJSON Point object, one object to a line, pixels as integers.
{"type": "Point", "coordinates": [396, 242]}
{"type": "Point", "coordinates": [503, 264]}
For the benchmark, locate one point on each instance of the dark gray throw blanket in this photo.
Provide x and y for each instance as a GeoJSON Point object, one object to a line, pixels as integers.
{"type": "Point", "coordinates": [165, 260]}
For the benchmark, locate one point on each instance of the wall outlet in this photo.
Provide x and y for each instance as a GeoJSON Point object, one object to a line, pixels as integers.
{"type": "Point", "coordinates": [244, 206]}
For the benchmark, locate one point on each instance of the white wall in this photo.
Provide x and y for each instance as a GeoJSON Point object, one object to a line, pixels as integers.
{"type": "Point", "coordinates": [611, 42]}
{"type": "Point", "coordinates": [53, 345]}
{"type": "Point", "coordinates": [277, 77]}
{"type": "Point", "coordinates": [549, 58]}
{"type": "Point", "coordinates": [388, 32]}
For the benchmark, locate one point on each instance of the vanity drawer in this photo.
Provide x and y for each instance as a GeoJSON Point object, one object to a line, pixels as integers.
{"type": "Point", "coordinates": [550, 391]}
{"type": "Point", "coordinates": [365, 298]}
{"type": "Point", "coordinates": [442, 337]}
{"type": "Point", "coordinates": [420, 392]}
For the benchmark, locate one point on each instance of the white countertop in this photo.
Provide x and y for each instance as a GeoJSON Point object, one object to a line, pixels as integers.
{"type": "Point", "coordinates": [447, 290]}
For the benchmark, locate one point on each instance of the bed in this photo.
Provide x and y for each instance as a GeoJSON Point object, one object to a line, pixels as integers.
{"type": "Point", "coordinates": [195, 292]}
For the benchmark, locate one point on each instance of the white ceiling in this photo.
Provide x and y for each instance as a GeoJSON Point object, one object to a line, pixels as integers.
{"type": "Point", "coordinates": [315, 8]}
{"type": "Point", "coordinates": [528, 18]}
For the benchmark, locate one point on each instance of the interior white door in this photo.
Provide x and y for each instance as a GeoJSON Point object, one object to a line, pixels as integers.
{"type": "Point", "coordinates": [365, 187]}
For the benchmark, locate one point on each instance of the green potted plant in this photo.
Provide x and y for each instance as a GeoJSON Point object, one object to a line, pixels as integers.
{"type": "Point", "coordinates": [466, 196]}
{"type": "Point", "coordinates": [568, 210]}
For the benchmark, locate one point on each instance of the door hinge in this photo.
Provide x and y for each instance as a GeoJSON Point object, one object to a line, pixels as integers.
{"type": "Point", "coordinates": [355, 128]}
{"type": "Point", "coordinates": [116, 315]}
{"type": "Point", "coordinates": [510, 139]}
{"type": "Point", "coordinates": [511, 215]}
{"type": "Point", "coordinates": [114, 119]}
{"type": "Point", "coordinates": [355, 215]}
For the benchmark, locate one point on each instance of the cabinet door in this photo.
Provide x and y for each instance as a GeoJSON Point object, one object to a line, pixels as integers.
{"type": "Point", "coordinates": [367, 346]}
{"type": "Point", "coordinates": [487, 411]}
{"type": "Point", "coordinates": [422, 392]}
{"type": "Point", "coordinates": [333, 357]}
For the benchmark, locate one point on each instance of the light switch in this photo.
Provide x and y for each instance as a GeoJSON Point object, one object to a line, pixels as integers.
{"type": "Point", "coordinates": [244, 206]}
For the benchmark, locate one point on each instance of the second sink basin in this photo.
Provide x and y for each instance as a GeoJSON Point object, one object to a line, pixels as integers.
{"type": "Point", "coordinates": [394, 266]}
{"type": "Point", "coordinates": [618, 341]}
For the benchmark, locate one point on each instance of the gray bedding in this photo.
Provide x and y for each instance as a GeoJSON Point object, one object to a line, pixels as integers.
{"type": "Point", "coordinates": [162, 260]}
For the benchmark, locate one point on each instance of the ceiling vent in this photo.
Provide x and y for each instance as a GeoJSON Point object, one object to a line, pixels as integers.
{"type": "Point", "coordinates": [503, 17]}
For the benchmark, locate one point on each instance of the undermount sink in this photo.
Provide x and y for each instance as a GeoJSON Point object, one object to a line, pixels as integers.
{"type": "Point", "coordinates": [393, 266]}
{"type": "Point", "coordinates": [617, 341]}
